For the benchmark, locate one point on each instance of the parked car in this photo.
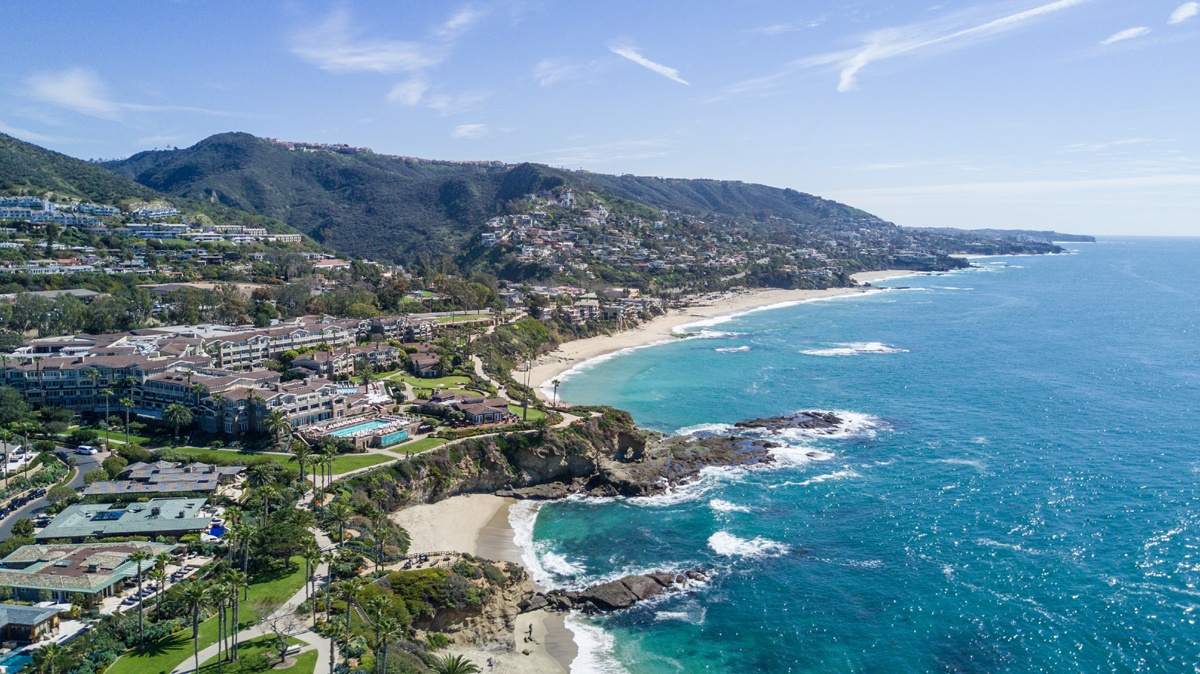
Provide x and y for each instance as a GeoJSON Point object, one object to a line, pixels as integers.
{"type": "Point", "coordinates": [87, 450]}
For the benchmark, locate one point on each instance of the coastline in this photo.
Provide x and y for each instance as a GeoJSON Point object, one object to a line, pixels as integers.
{"type": "Point", "coordinates": [661, 329]}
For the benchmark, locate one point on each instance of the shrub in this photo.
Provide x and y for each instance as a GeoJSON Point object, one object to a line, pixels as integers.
{"type": "Point", "coordinates": [95, 476]}
{"type": "Point", "coordinates": [437, 640]}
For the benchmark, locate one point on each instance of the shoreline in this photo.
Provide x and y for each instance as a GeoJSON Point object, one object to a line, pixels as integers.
{"type": "Point", "coordinates": [661, 329]}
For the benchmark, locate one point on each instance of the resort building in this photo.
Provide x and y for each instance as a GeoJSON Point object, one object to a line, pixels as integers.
{"type": "Point", "coordinates": [27, 624]}
{"type": "Point", "coordinates": [44, 572]}
{"type": "Point", "coordinates": [166, 477]}
{"type": "Point", "coordinates": [382, 431]}
{"type": "Point", "coordinates": [171, 517]}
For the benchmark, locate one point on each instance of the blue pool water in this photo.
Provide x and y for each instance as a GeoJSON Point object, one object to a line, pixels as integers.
{"type": "Point", "coordinates": [1019, 494]}
{"type": "Point", "coordinates": [14, 662]}
{"type": "Point", "coordinates": [365, 426]}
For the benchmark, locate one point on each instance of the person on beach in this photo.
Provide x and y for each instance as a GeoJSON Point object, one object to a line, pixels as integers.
{"type": "Point", "coordinates": [529, 634]}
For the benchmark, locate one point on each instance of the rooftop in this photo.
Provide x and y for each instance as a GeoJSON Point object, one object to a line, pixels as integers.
{"type": "Point", "coordinates": [88, 567]}
{"type": "Point", "coordinates": [160, 515]}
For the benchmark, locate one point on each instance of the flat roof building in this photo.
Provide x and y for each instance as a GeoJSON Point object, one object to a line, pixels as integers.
{"type": "Point", "coordinates": [172, 517]}
{"type": "Point", "coordinates": [41, 572]}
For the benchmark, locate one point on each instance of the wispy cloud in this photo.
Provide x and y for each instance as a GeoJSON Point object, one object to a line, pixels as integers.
{"type": "Point", "coordinates": [83, 91]}
{"type": "Point", "coordinates": [1127, 34]}
{"type": "Point", "coordinates": [1184, 12]}
{"type": "Point", "coordinates": [458, 24]}
{"type": "Point", "coordinates": [628, 51]}
{"type": "Point", "coordinates": [889, 43]}
{"type": "Point", "coordinates": [469, 131]}
{"type": "Point", "coordinates": [550, 71]}
{"type": "Point", "coordinates": [333, 45]}
{"type": "Point", "coordinates": [408, 93]}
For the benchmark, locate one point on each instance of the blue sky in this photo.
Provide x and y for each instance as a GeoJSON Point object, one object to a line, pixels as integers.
{"type": "Point", "coordinates": [1076, 115]}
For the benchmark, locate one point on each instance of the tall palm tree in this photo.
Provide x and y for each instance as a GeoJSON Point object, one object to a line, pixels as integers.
{"type": "Point", "coordinates": [162, 559]}
{"type": "Point", "coordinates": [195, 597]}
{"type": "Point", "coordinates": [329, 558]}
{"type": "Point", "coordinates": [454, 664]}
{"type": "Point", "coordinates": [301, 453]}
{"type": "Point", "coordinates": [278, 425]}
{"type": "Point", "coordinates": [159, 575]}
{"type": "Point", "coordinates": [177, 415]}
{"type": "Point", "coordinates": [554, 400]}
{"type": "Point", "coordinates": [5, 436]}
{"type": "Point", "coordinates": [252, 401]}
{"type": "Point", "coordinates": [236, 580]}
{"type": "Point", "coordinates": [220, 595]}
{"type": "Point", "coordinates": [312, 557]}
{"type": "Point", "coordinates": [107, 393]}
{"type": "Point", "coordinates": [339, 513]}
{"type": "Point", "coordinates": [386, 628]}
{"type": "Point", "coordinates": [139, 556]}
{"type": "Point", "coordinates": [350, 590]}
{"type": "Point", "coordinates": [267, 492]}
{"type": "Point", "coordinates": [245, 533]}
{"type": "Point", "coordinates": [93, 374]}
{"type": "Point", "coordinates": [198, 389]}
{"type": "Point", "coordinates": [51, 659]}
{"type": "Point", "coordinates": [330, 453]}
{"type": "Point", "coordinates": [127, 403]}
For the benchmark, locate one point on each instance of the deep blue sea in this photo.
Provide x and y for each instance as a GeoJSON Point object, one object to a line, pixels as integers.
{"type": "Point", "coordinates": [1018, 492]}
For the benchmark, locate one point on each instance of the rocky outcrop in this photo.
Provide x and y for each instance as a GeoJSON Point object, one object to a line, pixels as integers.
{"type": "Point", "coordinates": [813, 421]}
{"type": "Point", "coordinates": [614, 595]}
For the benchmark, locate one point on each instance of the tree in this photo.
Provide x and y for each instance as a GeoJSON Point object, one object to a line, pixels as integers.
{"type": "Point", "coordinates": [195, 597]}
{"type": "Point", "coordinates": [51, 659]}
{"type": "Point", "coordinates": [301, 453]}
{"type": "Point", "coordinates": [386, 629]}
{"type": "Point", "coordinates": [159, 575]}
{"type": "Point", "coordinates": [23, 527]}
{"type": "Point", "coordinates": [454, 664]}
{"type": "Point", "coordinates": [177, 415]}
{"type": "Point", "coordinates": [107, 393]}
{"type": "Point", "coordinates": [95, 476]}
{"type": "Point", "coordinates": [554, 400]}
{"type": "Point", "coordinates": [139, 556]}
{"type": "Point", "coordinates": [350, 590]}
{"type": "Point", "coordinates": [278, 620]}
{"type": "Point", "coordinates": [339, 513]}
{"type": "Point", "coordinates": [236, 580]}
{"type": "Point", "coordinates": [61, 493]}
{"type": "Point", "coordinates": [127, 403]}
{"type": "Point", "coordinates": [277, 424]}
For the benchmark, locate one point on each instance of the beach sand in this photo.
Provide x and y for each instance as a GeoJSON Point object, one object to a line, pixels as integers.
{"type": "Point", "coordinates": [662, 328]}
{"type": "Point", "coordinates": [478, 524]}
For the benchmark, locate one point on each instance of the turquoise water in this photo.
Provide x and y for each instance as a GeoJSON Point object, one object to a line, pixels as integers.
{"type": "Point", "coordinates": [1019, 493]}
{"type": "Point", "coordinates": [15, 662]}
{"type": "Point", "coordinates": [357, 428]}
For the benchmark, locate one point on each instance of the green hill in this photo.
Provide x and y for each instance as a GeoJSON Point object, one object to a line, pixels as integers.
{"type": "Point", "coordinates": [380, 206]}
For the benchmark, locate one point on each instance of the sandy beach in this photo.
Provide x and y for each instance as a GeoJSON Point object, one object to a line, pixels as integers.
{"type": "Point", "coordinates": [664, 327]}
{"type": "Point", "coordinates": [478, 524]}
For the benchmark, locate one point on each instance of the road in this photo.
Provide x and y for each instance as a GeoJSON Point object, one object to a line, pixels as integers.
{"type": "Point", "coordinates": [83, 465]}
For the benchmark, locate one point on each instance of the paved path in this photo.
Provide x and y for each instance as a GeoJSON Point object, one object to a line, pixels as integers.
{"type": "Point", "coordinates": [256, 630]}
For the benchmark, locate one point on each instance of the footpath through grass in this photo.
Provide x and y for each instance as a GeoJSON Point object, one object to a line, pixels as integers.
{"type": "Point", "coordinates": [164, 655]}
{"type": "Point", "coordinates": [344, 463]}
{"type": "Point", "coordinates": [265, 646]}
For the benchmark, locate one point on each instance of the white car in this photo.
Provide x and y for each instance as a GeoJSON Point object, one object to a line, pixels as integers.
{"type": "Point", "coordinates": [86, 449]}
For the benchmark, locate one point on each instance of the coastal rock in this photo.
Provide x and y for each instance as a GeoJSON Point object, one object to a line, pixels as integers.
{"type": "Point", "coordinates": [615, 595]}
{"type": "Point", "coordinates": [818, 421]}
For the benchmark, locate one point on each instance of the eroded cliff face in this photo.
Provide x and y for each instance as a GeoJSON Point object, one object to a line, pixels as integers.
{"type": "Point", "coordinates": [604, 454]}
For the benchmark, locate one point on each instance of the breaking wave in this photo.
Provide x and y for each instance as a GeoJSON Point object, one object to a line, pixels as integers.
{"type": "Point", "coordinates": [855, 349]}
{"type": "Point", "coordinates": [732, 349]}
{"type": "Point", "coordinates": [726, 544]}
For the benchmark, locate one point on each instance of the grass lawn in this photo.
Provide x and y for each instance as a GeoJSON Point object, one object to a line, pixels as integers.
{"type": "Point", "coordinates": [305, 662]}
{"type": "Point", "coordinates": [222, 455]}
{"type": "Point", "coordinates": [534, 413]}
{"type": "Point", "coordinates": [348, 462]}
{"type": "Point", "coordinates": [119, 436]}
{"type": "Point", "coordinates": [463, 319]}
{"type": "Point", "coordinates": [417, 446]}
{"type": "Point", "coordinates": [453, 381]}
{"type": "Point", "coordinates": [167, 653]}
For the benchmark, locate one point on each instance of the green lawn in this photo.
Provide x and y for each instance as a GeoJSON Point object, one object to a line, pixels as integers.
{"type": "Point", "coordinates": [348, 462]}
{"type": "Point", "coordinates": [167, 653]}
{"type": "Point", "coordinates": [120, 437]}
{"type": "Point", "coordinates": [534, 413]}
{"type": "Point", "coordinates": [223, 455]}
{"type": "Point", "coordinates": [463, 319]}
{"type": "Point", "coordinates": [452, 381]}
{"type": "Point", "coordinates": [305, 662]}
{"type": "Point", "coordinates": [417, 446]}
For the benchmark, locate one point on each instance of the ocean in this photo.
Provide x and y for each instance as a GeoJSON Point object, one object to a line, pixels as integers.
{"type": "Point", "coordinates": [1016, 491]}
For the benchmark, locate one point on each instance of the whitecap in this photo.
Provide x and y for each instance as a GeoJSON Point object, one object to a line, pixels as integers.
{"type": "Point", "coordinates": [834, 476]}
{"type": "Point", "coordinates": [732, 349]}
{"type": "Point", "coordinates": [728, 545]}
{"type": "Point", "coordinates": [977, 464]}
{"type": "Point", "coordinates": [693, 613]}
{"type": "Point", "coordinates": [595, 654]}
{"type": "Point", "coordinates": [559, 565]}
{"type": "Point", "coordinates": [855, 349]}
{"type": "Point", "coordinates": [723, 506]}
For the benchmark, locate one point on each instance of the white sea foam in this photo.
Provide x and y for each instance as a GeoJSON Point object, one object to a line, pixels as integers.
{"type": "Point", "coordinates": [844, 474]}
{"type": "Point", "coordinates": [977, 464]}
{"type": "Point", "coordinates": [855, 349]}
{"type": "Point", "coordinates": [723, 506]}
{"type": "Point", "coordinates": [728, 545]}
{"type": "Point", "coordinates": [595, 646]}
{"type": "Point", "coordinates": [713, 334]}
{"type": "Point", "coordinates": [691, 612]}
{"type": "Point", "coordinates": [732, 349]}
{"type": "Point", "coordinates": [559, 565]}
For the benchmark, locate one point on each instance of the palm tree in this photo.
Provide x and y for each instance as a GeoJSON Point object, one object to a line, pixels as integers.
{"type": "Point", "coordinates": [339, 513]}
{"type": "Point", "coordinates": [159, 575]}
{"type": "Point", "coordinates": [219, 410]}
{"type": "Point", "coordinates": [195, 597]}
{"type": "Point", "coordinates": [329, 558]}
{"type": "Point", "coordinates": [162, 559]}
{"type": "Point", "coordinates": [252, 401]}
{"type": "Point", "coordinates": [107, 393]}
{"type": "Point", "coordinates": [198, 389]}
{"type": "Point", "coordinates": [140, 556]}
{"type": "Point", "coordinates": [236, 580]}
{"type": "Point", "coordinates": [277, 424]}
{"type": "Point", "coordinates": [5, 436]}
{"type": "Point", "coordinates": [92, 374]}
{"type": "Point", "coordinates": [312, 557]}
{"type": "Point", "coordinates": [50, 659]}
{"type": "Point", "coordinates": [220, 595]}
{"type": "Point", "coordinates": [177, 415]}
{"type": "Point", "coordinates": [554, 400]}
{"type": "Point", "coordinates": [330, 453]}
{"type": "Point", "coordinates": [350, 590]}
{"type": "Point", "coordinates": [127, 403]}
{"type": "Point", "coordinates": [301, 453]}
{"type": "Point", "coordinates": [454, 664]}
{"type": "Point", "coordinates": [386, 628]}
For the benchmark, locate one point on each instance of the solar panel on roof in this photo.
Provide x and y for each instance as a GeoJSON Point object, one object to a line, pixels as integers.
{"type": "Point", "coordinates": [108, 515]}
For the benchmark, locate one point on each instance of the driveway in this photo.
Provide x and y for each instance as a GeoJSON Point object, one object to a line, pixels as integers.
{"type": "Point", "coordinates": [83, 465]}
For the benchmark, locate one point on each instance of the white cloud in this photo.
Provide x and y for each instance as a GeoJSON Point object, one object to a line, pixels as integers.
{"type": "Point", "coordinates": [458, 24]}
{"type": "Point", "coordinates": [83, 91]}
{"type": "Point", "coordinates": [1127, 34]}
{"type": "Point", "coordinates": [76, 89]}
{"type": "Point", "coordinates": [334, 47]}
{"type": "Point", "coordinates": [629, 52]}
{"type": "Point", "coordinates": [890, 43]}
{"type": "Point", "coordinates": [1184, 12]}
{"type": "Point", "coordinates": [470, 131]}
{"type": "Point", "coordinates": [550, 71]}
{"type": "Point", "coordinates": [408, 93]}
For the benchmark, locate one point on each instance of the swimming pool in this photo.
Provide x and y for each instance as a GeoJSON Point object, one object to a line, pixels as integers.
{"type": "Point", "coordinates": [13, 662]}
{"type": "Point", "coordinates": [358, 428]}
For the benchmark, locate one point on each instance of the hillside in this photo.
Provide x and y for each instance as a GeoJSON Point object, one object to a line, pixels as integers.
{"type": "Point", "coordinates": [24, 166]}
{"type": "Point", "coordinates": [400, 208]}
